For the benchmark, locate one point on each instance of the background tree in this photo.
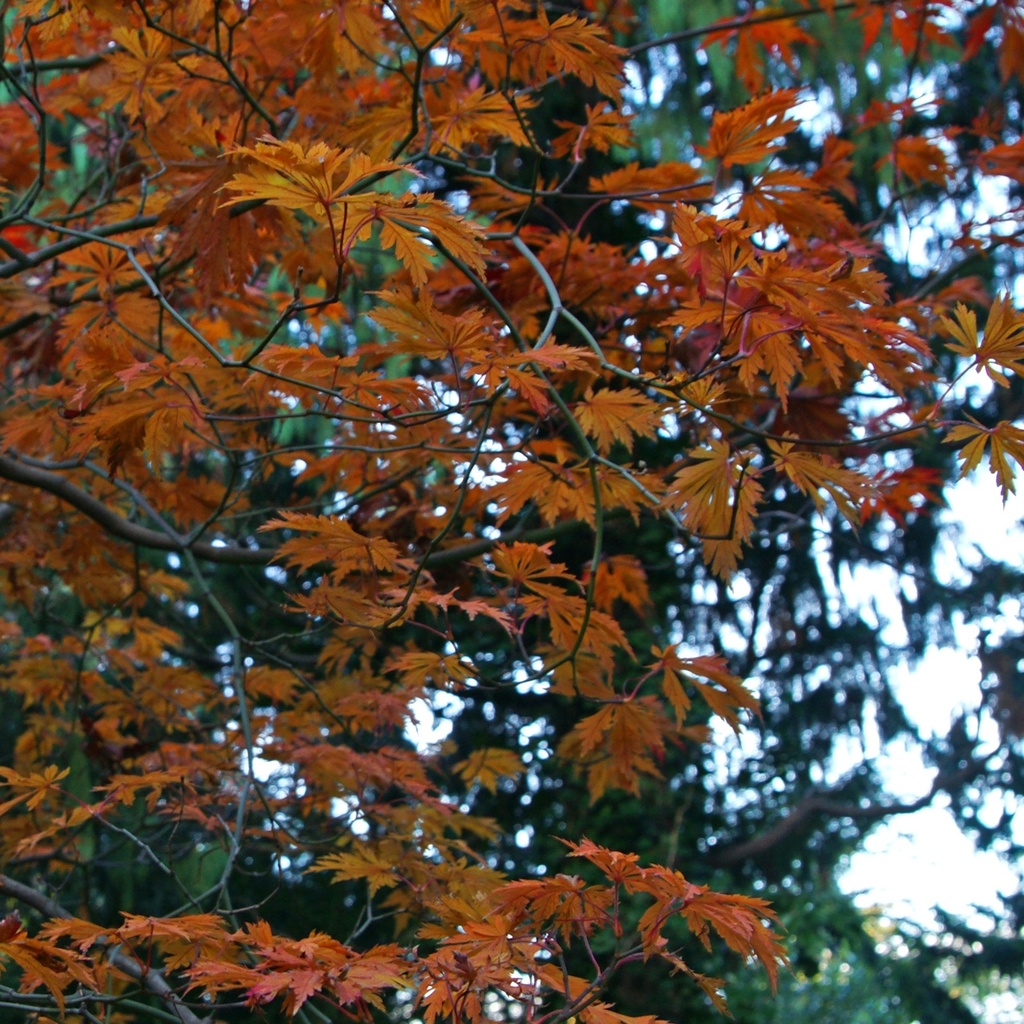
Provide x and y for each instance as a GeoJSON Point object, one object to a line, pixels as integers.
{"type": "Point", "coordinates": [552, 369]}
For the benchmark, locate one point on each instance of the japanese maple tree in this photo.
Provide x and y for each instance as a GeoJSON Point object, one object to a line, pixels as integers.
{"type": "Point", "coordinates": [331, 398]}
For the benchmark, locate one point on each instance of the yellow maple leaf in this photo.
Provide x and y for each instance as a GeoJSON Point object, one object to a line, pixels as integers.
{"type": "Point", "coordinates": [919, 159]}
{"type": "Point", "coordinates": [611, 416]}
{"type": "Point", "coordinates": [143, 71]}
{"type": "Point", "coordinates": [460, 118]}
{"type": "Point", "coordinates": [362, 862]}
{"type": "Point", "coordinates": [621, 578]}
{"type": "Point", "coordinates": [422, 329]}
{"type": "Point", "coordinates": [617, 744]}
{"type": "Point", "coordinates": [332, 540]}
{"type": "Point", "coordinates": [749, 133]}
{"type": "Point", "coordinates": [815, 473]}
{"type": "Point", "coordinates": [311, 179]}
{"type": "Point", "coordinates": [723, 691]}
{"type": "Point", "coordinates": [718, 495]}
{"type": "Point", "coordinates": [414, 226]}
{"type": "Point", "coordinates": [578, 47]}
{"type": "Point", "coordinates": [1005, 444]}
{"type": "Point", "coordinates": [35, 787]}
{"type": "Point", "coordinates": [487, 765]}
{"type": "Point", "coordinates": [1002, 344]}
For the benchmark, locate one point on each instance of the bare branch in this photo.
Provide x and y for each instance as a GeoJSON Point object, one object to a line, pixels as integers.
{"type": "Point", "coordinates": [48, 252]}
{"type": "Point", "coordinates": [13, 469]}
{"type": "Point", "coordinates": [53, 483]}
{"type": "Point", "coordinates": [150, 979]}
{"type": "Point", "coordinates": [825, 803]}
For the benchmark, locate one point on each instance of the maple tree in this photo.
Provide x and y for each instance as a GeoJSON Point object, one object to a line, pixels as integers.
{"type": "Point", "coordinates": [359, 362]}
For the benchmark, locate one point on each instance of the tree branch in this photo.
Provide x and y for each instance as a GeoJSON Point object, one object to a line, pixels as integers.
{"type": "Point", "coordinates": [826, 803]}
{"type": "Point", "coordinates": [150, 979]}
{"type": "Point", "coordinates": [20, 69]}
{"type": "Point", "coordinates": [53, 483]}
{"type": "Point", "coordinates": [116, 525]}
{"type": "Point", "coordinates": [745, 22]}
{"type": "Point", "coordinates": [49, 252]}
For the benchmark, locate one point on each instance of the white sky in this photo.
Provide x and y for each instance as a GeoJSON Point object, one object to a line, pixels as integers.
{"type": "Point", "coordinates": [915, 862]}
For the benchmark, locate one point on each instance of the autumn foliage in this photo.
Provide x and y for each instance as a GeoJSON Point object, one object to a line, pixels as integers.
{"type": "Point", "coordinates": [323, 404]}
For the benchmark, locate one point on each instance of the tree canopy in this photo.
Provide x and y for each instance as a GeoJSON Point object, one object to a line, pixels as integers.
{"type": "Point", "coordinates": [443, 447]}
